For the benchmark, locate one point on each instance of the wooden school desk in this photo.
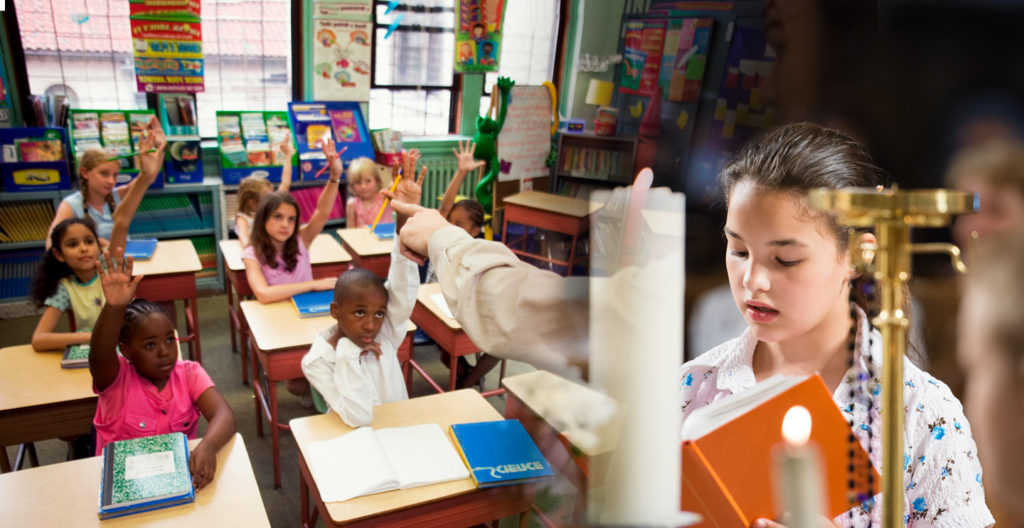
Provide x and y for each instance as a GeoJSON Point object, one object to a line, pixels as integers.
{"type": "Point", "coordinates": [446, 332]}
{"type": "Point", "coordinates": [66, 494]}
{"type": "Point", "coordinates": [279, 340]}
{"type": "Point", "coordinates": [171, 276]}
{"type": "Point", "coordinates": [526, 402]}
{"type": "Point", "coordinates": [40, 400]}
{"type": "Point", "coordinates": [455, 503]}
{"type": "Point", "coordinates": [326, 256]}
{"type": "Point", "coordinates": [550, 212]}
{"type": "Point", "coordinates": [367, 250]}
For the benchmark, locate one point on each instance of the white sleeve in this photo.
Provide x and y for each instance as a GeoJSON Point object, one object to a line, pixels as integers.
{"type": "Point", "coordinates": [402, 285]}
{"type": "Point", "coordinates": [343, 383]}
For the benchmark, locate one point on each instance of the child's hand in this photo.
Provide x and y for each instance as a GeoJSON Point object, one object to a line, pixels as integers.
{"type": "Point", "coordinates": [409, 160]}
{"type": "Point", "coordinates": [409, 188]}
{"type": "Point", "coordinates": [467, 162]}
{"type": "Point", "coordinates": [372, 348]}
{"type": "Point", "coordinates": [333, 157]}
{"type": "Point", "coordinates": [152, 138]}
{"type": "Point", "coordinates": [325, 284]}
{"type": "Point", "coordinates": [116, 280]}
{"type": "Point", "coordinates": [202, 463]}
{"type": "Point", "coordinates": [287, 147]}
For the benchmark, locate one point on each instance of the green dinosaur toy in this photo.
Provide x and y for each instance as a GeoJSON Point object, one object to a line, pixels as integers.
{"type": "Point", "coordinates": [486, 139]}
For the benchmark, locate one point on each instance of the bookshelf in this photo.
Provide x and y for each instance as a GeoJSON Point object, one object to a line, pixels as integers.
{"type": "Point", "coordinates": [588, 161]}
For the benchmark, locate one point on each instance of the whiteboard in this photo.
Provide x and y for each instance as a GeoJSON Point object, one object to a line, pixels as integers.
{"type": "Point", "coordinates": [525, 140]}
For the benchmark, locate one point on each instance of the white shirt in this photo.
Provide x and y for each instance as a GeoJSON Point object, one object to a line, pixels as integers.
{"type": "Point", "coordinates": [942, 473]}
{"type": "Point", "coordinates": [351, 382]}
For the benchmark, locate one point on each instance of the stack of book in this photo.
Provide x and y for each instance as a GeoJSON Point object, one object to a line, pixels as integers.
{"type": "Point", "coordinates": [144, 474]}
{"type": "Point", "coordinates": [172, 212]}
{"type": "Point", "coordinates": [75, 356]}
{"type": "Point", "coordinates": [206, 248]}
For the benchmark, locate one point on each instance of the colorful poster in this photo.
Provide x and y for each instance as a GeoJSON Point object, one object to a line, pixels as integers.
{"type": "Point", "coordinates": [525, 140]}
{"type": "Point", "coordinates": [341, 59]}
{"type": "Point", "coordinates": [690, 60]}
{"type": "Point", "coordinates": [478, 35]}
{"type": "Point", "coordinates": [644, 41]}
{"type": "Point", "coordinates": [167, 39]}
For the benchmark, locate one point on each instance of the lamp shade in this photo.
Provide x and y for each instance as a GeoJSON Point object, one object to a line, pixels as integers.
{"type": "Point", "coordinates": [599, 92]}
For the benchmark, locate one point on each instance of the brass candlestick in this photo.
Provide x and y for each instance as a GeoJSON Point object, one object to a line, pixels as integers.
{"type": "Point", "coordinates": [892, 212]}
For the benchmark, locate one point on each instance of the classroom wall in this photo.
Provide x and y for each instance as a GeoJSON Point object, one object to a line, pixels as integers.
{"type": "Point", "coordinates": [596, 28]}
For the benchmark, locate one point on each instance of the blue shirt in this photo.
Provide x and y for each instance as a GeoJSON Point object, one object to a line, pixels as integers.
{"type": "Point", "coordinates": [104, 219]}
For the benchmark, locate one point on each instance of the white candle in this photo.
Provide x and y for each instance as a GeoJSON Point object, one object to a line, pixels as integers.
{"type": "Point", "coordinates": [798, 472]}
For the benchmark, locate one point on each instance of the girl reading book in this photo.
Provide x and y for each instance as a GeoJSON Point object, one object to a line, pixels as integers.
{"type": "Point", "coordinates": [98, 196]}
{"type": "Point", "coordinates": [790, 274]}
{"type": "Point", "coordinates": [253, 188]}
{"type": "Point", "coordinates": [145, 390]}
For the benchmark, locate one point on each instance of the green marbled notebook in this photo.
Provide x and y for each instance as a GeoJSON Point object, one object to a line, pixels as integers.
{"type": "Point", "coordinates": [145, 474]}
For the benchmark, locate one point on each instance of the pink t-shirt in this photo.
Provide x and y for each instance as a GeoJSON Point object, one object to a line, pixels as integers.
{"type": "Point", "coordinates": [131, 407]}
{"type": "Point", "coordinates": [303, 270]}
{"type": "Point", "coordinates": [365, 216]}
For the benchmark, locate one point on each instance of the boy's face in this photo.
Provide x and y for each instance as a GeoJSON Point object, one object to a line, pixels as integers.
{"type": "Point", "coordinates": [360, 314]}
{"type": "Point", "coordinates": [461, 218]}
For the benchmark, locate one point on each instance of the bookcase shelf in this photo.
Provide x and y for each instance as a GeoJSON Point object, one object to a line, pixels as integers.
{"type": "Point", "coordinates": [590, 161]}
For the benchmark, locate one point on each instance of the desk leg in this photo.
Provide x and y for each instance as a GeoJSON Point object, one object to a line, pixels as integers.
{"type": "Point", "coordinates": [243, 331]}
{"type": "Point", "coordinates": [572, 256]}
{"type": "Point", "coordinates": [232, 318]}
{"type": "Point", "coordinates": [193, 326]}
{"type": "Point", "coordinates": [256, 390]}
{"type": "Point", "coordinates": [275, 432]}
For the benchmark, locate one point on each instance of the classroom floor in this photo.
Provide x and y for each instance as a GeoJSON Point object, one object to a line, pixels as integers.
{"type": "Point", "coordinates": [282, 505]}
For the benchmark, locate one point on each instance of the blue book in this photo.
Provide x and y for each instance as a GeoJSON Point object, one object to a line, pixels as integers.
{"type": "Point", "coordinates": [500, 453]}
{"type": "Point", "coordinates": [313, 304]}
{"type": "Point", "coordinates": [143, 474]}
{"type": "Point", "coordinates": [141, 249]}
{"type": "Point", "coordinates": [385, 230]}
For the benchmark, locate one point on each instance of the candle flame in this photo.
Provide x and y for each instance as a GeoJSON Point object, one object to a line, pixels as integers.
{"type": "Point", "coordinates": [796, 426]}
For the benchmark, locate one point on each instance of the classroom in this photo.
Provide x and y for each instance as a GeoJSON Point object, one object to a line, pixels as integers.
{"type": "Point", "coordinates": [460, 262]}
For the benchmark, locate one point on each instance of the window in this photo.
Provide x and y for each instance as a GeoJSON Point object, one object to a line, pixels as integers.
{"type": "Point", "coordinates": [528, 45]}
{"type": "Point", "coordinates": [85, 48]}
{"type": "Point", "coordinates": [412, 84]}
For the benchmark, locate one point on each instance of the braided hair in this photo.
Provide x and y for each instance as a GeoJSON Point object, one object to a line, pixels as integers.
{"type": "Point", "coordinates": [89, 160]}
{"type": "Point", "coordinates": [137, 310]}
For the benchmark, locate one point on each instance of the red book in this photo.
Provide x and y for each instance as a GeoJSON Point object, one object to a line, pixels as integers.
{"type": "Point", "coordinates": [728, 465]}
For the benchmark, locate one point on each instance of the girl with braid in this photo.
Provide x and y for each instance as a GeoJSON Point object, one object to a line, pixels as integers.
{"type": "Point", "coordinates": [145, 390]}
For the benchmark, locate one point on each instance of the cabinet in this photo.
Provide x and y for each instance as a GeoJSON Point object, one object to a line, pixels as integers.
{"type": "Point", "coordinates": [588, 161]}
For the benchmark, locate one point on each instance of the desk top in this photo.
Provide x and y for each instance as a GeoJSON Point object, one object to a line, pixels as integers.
{"type": "Point", "coordinates": [65, 494]}
{"type": "Point", "coordinates": [424, 297]}
{"type": "Point", "coordinates": [171, 256]}
{"type": "Point", "coordinates": [365, 243]}
{"type": "Point", "coordinates": [277, 326]}
{"type": "Point", "coordinates": [553, 203]}
{"type": "Point", "coordinates": [461, 406]}
{"type": "Point", "coordinates": [30, 379]}
{"type": "Point", "coordinates": [324, 250]}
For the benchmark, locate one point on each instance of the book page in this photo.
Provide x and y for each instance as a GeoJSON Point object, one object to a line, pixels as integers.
{"type": "Point", "coordinates": [422, 454]}
{"type": "Point", "coordinates": [350, 466]}
{"type": "Point", "coordinates": [720, 412]}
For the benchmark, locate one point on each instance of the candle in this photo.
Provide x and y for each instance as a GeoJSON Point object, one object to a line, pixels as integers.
{"type": "Point", "coordinates": [798, 472]}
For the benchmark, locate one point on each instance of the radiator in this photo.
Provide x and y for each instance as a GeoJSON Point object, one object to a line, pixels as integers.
{"type": "Point", "coordinates": [440, 170]}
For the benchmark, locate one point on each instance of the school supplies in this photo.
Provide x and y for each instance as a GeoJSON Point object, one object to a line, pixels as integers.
{"type": "Point", "coordinates": [385, 231]}
{"type": "Point", "coordinates": [383, 206]}
{"type": "Point", "coordinates": [366, 461]}
{"type": "Point", "coordinates": [140, 249]}
{"type": "Point", "coordinates": [500, 453]}
{"type": "Point", "coordinates": [728, 445]}
{"type": "Point", "coordinates": [314, 303]}
{"type": "Point", "coordinates": [143, 474]}
{"type": "Point", "coordinates": [75, 356]}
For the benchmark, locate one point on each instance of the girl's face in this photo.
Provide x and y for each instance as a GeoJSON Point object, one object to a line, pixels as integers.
{"type": "Point", "coordinates": [79, 248]}
{"type": "Point", "coordinates": [102, 178]}
{"type": "Point", "coordinates": [785, 270]}
{"type": "Point", "coordinates": [365, 187]}
{"type": "Point", "coordinates": [461, 218]}
{"type": "Point", "coordinates": [281, 223]}
{"type": "Point", "coordinates": [152, 347]}
{"type": "Point", "coordinates": [994, 395]}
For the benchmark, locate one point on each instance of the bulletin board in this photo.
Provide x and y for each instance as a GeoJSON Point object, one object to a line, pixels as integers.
{"type": "Point", "coordinates": [524, 142]}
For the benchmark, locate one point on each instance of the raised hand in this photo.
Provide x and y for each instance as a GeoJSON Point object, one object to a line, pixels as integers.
{"type": "Point", "coordinates": [333, 157]}
{"type": "Point", "coordinates": [410, 188]}
{"type": "Point", "coordinates": [287, 147]}
{"type": "Point", "coordinates": [116, 280]}
{"type": "Point", "coordinates": [464, 154]}
{"type": "Point", "coordinates": [409, 160]}
{"type": "Point", "coordinates": [152, 138]}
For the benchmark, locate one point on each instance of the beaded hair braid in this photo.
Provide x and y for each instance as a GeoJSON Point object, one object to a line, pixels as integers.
{"type": "Point", "coordinates": [865, 379]}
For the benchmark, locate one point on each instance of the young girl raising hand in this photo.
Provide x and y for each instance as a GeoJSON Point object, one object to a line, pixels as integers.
{"type": "Point", "coordinates": [145, 390]}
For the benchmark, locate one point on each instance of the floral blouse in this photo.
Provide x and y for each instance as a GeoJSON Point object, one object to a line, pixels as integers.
{"type": "Point", "coordinates": [942, 474]}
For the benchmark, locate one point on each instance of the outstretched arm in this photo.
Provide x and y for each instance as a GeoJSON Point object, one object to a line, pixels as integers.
{"type": "Point", "coordinates": [44, 337]}
{"type": "Point", "coordinates": [150, 164]}
{"type": "Point", "coordinates": [467, 164]}
{"type": "Point", "coordinates": [266, 293]}
{"type": "Point", "coordinates": [409, 188]}
{"type": "Point", "coordinates": [118, 289]}
{"type": "Point", "coordinates": [327, 197]}
{"type": "Point", "coordinates": [288, 149]}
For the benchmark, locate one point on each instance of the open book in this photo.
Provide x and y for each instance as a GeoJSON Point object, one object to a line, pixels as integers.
{"type": "Point", "coordinates": [728, 466]}
{"type": "Point", "coordinates": [366, 461]}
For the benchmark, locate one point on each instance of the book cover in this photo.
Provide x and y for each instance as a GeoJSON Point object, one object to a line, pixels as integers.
{"type": "Point", "coordinates": [728, 444]}
{"type": "Point", "coordinates": [384, 231]}
{"type": "Point", "coordinates": [75, 356]}
{"type": "Point", "coordinates": [145, 474]}
{"type": "Point", "coordinates": [85, 125]}
{"type": "Point", "coordinates": [40, 149]}
{"type": "Point", "coordinates": [140, 249]}
{"type": "Point", "coordinates": [313, 304]}
{"type": "Point", "coordinates": [500, 453]}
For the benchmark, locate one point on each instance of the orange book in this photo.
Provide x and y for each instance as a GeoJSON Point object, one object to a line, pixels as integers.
{"type": "Point", "coordinates": [728, 462]}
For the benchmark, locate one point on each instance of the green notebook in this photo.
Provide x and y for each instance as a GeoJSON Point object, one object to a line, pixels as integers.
{"type": "Point", "coordinates": [145, 474]}
{"type": "Point", "coordinates": [75, 356]}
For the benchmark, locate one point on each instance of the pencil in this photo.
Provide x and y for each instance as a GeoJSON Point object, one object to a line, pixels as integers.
{"type": "Point", "coordinates": [384, 205]}
{"type": "Point", "coordinates": [124, 156]}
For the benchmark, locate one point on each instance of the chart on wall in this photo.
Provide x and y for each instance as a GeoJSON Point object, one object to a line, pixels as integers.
{"type": "Point", "coordinates": [342, 48]}
{"type": "Point", "coordinates": [525, 139]}
{"type": "Point", "coordinates": [167, 40]}
{"type": "Point", "coordinates": [478, 35]}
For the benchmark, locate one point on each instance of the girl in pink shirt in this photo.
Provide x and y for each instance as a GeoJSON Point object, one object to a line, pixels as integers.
{"type": "Point", "coordinates": [146, 391]}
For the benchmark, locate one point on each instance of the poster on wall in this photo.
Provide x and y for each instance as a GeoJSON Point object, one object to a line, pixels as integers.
{"type": "Point", "coordinates": [341, 59]}
{"type": "Point", "coordinates": [684, 58]}
{"type": "Point", "coordinates": [642, 56]}
{"type": "Point", "coordinates": [478, 35]}
{"type": "Point", "coordinates": [525, 139]}
{"type": "Point", "coordinates": [167, 40]}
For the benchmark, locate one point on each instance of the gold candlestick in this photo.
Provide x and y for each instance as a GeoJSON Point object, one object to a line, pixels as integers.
{"type": "Point", "coordinates": [892, 212]}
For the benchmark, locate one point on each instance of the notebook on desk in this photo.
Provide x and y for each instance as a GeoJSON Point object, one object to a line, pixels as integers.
{"type": "Point", "coordinates": [75, 356]}
{"type": "Point", "coordinates": [384, 231]}
{"type": "Point", "coordinates": [140, 249]}
{"type": "Point", "coordinates": [500, 453]}
{"type": "Point", "coordinates": [143, 474]}
{"type": "Point", "coordinates": [313, 304]}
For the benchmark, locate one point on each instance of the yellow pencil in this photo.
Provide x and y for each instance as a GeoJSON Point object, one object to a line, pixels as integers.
{"type": "Point", "coordinates": [384, 205]}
